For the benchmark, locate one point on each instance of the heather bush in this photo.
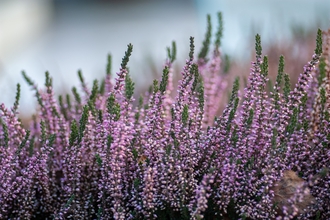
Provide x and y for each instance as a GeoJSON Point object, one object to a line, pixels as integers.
{"type": "Point", "coordinates": [98, 155]}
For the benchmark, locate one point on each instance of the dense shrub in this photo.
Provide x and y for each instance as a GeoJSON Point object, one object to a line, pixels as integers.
{"type": "Point", "coordinates": [97, 155]}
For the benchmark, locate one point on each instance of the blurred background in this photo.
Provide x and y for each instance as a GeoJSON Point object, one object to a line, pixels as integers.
{"type": "Point", "coordinates": [62, 36]}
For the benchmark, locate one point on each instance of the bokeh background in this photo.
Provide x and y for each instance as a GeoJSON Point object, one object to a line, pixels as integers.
{"type": "Point", "coordinates": [62, 36]}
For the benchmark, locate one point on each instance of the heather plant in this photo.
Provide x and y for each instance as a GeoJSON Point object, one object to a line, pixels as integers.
{"type": "Point", "coordinates": [101, 155]}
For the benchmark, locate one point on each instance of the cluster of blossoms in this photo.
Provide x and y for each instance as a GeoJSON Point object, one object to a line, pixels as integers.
{"type": "Point", "coordinates": [97, 155]}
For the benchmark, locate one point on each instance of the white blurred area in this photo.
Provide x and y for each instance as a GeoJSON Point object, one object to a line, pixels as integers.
{"type": "Point", "coordinates": [62, 36]}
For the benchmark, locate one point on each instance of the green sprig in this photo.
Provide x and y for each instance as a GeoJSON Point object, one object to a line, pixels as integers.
{"type": "Point", "coordinates": [109, 140]}
{"type": "Point", "coordinates": [258, 47]}
{"type": "Point", "coordinates": [127, 55]}
{"type": "Point", "coordinates": [62, 107]}
{"type": "Point", "coordinates": [109, 64]}
{"type": "Point", "coordinates": [27, 79]}
{"type": "Point", "coordinates": [48, 81]}
{"type": "Point", "coordinates": [279, 77]}
{"type": "Point", "coordinates": [18, 94]}
{"type": "Point", "coordinates": [206, 43]}
{"type": "Point", "coordinates": [23, 143]}
{"type": "Point", "coordinates": [155, 86]}
{"type": "Point", "coordinates": [192, 49]}
{"type": "Point", "coordinates": [200, 91]}
{"type": "Point", "coordinates": [5, 132]}
{"type": "Point", "coordinates": [322, 71]}
{"type": "Point", "coordinates": [68, 101]}
{"type": "Point", "coordinates": [163, 83]}
{"type": "Point", "coordinates": [129, 87]}
{"type": "Point", "coordinates": [293, 121]}
{"type": "Point", "coordinates": [102, 87]}
{"type": "Point", "coordinates": [83, 122]}
{"type": "Point", "coordinates": [98, 160]}
{"type": "Point", "coordinates": [31, 83]}
{"type": "Point", "coordinates": [81, 77]}
{"type": "Point", "coordinates": [171, 53]}
{"type": "Point", "coordinates": [195, 73]}
{"type": "Point", "coordinates": [232, 114]}
{"type": "Point", "coordinates": [76, 95]}
{"type": "Point", "coordinates": [31, 147]}
{"type": "Point", "coordinates": [113, 107]}
{"type": "Point", "coordinates": [249, 119]}
{"type": "Point", "coordinates": [264, 67]}
{"type": "Point", "coordinates": [185, 115]}
{"type": "Point", "coordinates": [94, 92]}
{"type": "Point", "coordinates": [70, 200]}
{"type": "Point", "coordinates": [287, 87]}
{"type": "Point", "coordinates": [219, 33]}
{"type": "Point", "coordinates": [318, 49]}
{"type": "Point", "coordinates": [234, 91]}
{"type": "Point", "coordinates": [43, 131]}
{"type": "Point", "coordinates": [51, 139]}
{"type": "Point", "coordinates": [74, 135]}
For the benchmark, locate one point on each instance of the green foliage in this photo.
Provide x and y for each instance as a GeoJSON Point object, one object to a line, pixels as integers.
{"type": "Point", "coordinates": [62, 107]}
{"type": "Point", "coordinates": [48, 81]}
{"type": "Point", "coordinates": [192, 49]}
{"type": "Point", "coordinates": [83, 122]}
{"type": "Point", "coordinates": [200, 92]}
{"type": "Point", "coordinates": [31, 83]}
{"type": "Point", "coordinates": [264, 67]}
{"type": "Point", "coordinates": [76, 95]}
{"type": "Point", "coordinates": [140, 102]}
{"type": "Point", "coordinates": [155, 86]}
{"type": "Point", "coordinates": [171, 53]}
{"type": "Point", "coordinates": [113, 107]}
{"type": "Point", "coordinates": [195, 73]}
{"type": "Point", "coordinates": [129, 87]}
{"type": "Point", "coordinates": [94, 92]}
{"type": "Point", "coordinates": [127, 55]}
{"type": "Point", "coordinates": [287, 87]}
{"type": "Point", "coordinates": [232, 114]}
{"type": "Point", "coordinates": [318, 49]}
{"type": "Point", "coordinates": [27, 79]}
{"type": "Point", "coordinates": [279, 77]}
{"type": "Point", "coordinates": [109, 64]}
{"type": "Point", "coordinates": [68, 101]}
{"type": "Point", "coordinates": [233, 102]}
{"type": "Point", "coordinates": [234, 91]}
{"type": "Point", "coordinates": [293, 121]}
{"type": "Point", "coordinates": [258, 47]}
{"type": "Point", "coordinates": [51, 139]}
{"type": "Point", "coordinates": [5, 132]}
{"type": "Point", "coordinates": [70, 200]}
{"type": "Point", "coordinates": [98, 160]}
{"type": "Point", "coordinates": [102, 87]}
{"type": "Point", "coordinates": [185, 115]}
{"type": "Point", "coordinates": [31, 147]}
{"type": "Point", "coordinates": [43, 131]}
{"type": "Point", "coordinates": [280, 70]}
{"type": "Point", "coordinates": [81, 78]}
{"type": "Point", "coordinates": [74, 135]}
{"type": "Point", "coordinates": [163, 83]}
{"type": "Point", "coordinates": [226, 63]}
{"type": "Point", "coordinates": [206, 43]}
{"type": "Point", "coordinates": [100, 115]}
{"type": "Point", "coordinates": [323, 97]}
{"type": "Point", "coordinates": [18, 94]}
{"type": "Point", "coordinates": [322, 71]}
{"type": "Point", "coordinates": [23, 143]}
{"type": "Point", "coordinates": [219, 33]}
{"type": "Point", "coordinates": [249, 119]}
